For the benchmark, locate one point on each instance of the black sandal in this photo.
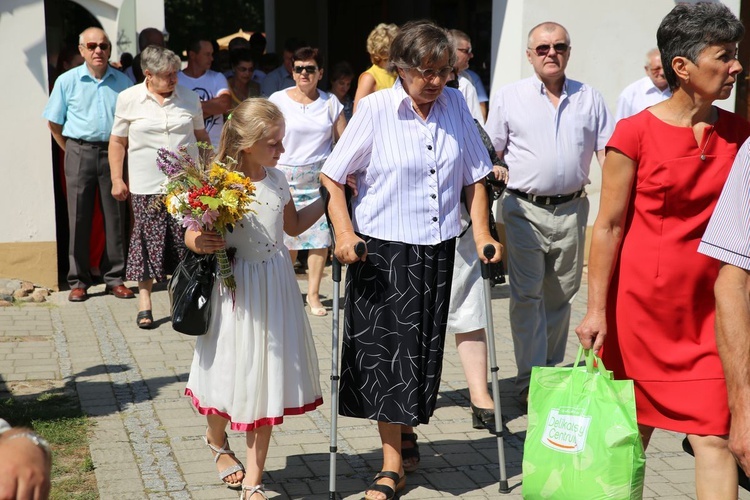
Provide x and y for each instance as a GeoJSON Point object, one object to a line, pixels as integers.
{"type": "Point", "coordinates": [483, 418]}
{"type": "Point", "coordinates": [145, 315]}
{"type": "Point", "coordinates": [389, 492]}
{"type": "Point", "coordinates": [413, 452]}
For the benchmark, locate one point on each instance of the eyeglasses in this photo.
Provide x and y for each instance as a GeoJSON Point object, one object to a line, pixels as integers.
{"type": "Point", "coordinates": [430, 74]}
{"type": "Point", "coordinates": [309, 69]}
{"type": "Point", "coordinates": [91, 46]}
{"type": "Point", "coordinates": [543, 50]}
{"type": "Point", "coordinates": [465, 51]}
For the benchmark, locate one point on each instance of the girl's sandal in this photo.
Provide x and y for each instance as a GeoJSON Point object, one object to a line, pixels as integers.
{"type": "Point", "coordinates": [237, 467]}
{"type": "Point", "coordinates": [409, 453]}
{"type": "Point", "coordinates": [252, 490]}
{"type": "Point", "coordinates": [399, 482]}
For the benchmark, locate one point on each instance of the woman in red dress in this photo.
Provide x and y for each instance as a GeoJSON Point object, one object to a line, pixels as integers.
{"type": "Point", "coordinates": [651, 303]}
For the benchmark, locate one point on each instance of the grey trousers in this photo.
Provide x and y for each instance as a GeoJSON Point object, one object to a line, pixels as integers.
{"type": "Point", "coordinates": [86, 169]}
{"type": "Point", "coordinates": [545, 250]}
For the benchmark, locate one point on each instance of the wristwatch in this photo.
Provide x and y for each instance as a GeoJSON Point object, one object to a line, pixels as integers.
{"type": "Point", "coordinates": [34, 438]}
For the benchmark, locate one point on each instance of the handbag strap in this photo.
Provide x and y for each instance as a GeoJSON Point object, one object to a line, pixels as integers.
{"type": "Point", "coordinates": [593, 362]}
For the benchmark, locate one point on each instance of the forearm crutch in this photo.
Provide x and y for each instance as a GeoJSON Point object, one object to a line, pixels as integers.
{"type": "Point", "coordinates": [489, 252]}
{"type": "Point", "coordinates": [336, 276]}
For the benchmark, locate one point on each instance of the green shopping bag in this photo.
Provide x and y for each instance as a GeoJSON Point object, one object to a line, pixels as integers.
{"type": "Point", "coordinates": [583, 440]}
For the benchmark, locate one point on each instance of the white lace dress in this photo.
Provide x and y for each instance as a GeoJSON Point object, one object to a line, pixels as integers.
{"type": "Point", "coordinates": [257, 362]}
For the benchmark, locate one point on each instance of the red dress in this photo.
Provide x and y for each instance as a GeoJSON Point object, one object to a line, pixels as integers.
{"type": "Point", "coordinates": [660, 307]}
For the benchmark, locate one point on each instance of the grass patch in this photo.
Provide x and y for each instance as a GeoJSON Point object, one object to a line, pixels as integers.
{"type": "Point", "coordinates": [58, 418]}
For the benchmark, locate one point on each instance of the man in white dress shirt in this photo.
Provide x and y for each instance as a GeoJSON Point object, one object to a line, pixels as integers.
{"type": "Point", "coordinates": [547, 128]}
{"type": "Point", "coordinates": [649, 90]}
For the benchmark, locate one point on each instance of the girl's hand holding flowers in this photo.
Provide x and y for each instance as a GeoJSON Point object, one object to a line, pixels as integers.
{"type": "Point", "coordinates": [204, 242]}
{"type": "Point", "coordinates": [208, 198]}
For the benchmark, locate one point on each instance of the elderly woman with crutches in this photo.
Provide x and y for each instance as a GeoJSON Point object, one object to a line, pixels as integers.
{"type": "Point", "coordinates": [414, 147]}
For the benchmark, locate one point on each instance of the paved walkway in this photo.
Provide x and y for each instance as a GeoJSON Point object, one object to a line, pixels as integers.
{"type": "Point", "coordinates": [147, 439]}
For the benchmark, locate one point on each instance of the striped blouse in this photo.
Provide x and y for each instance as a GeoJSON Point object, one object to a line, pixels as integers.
{"type": "Point", "coordinates": [727, 236]}
{"type": "Point", "coordinates": [411, 171]}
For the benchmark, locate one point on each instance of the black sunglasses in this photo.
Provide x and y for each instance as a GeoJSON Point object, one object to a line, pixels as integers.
{"type": "Point", "coordinates": [543, 50]}
{"type": "Point", "coordinates": [309, 69]}
{"type": "Point", "coordinates": [91, 46]}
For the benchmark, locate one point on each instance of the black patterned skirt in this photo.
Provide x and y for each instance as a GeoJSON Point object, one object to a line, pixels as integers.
{"type": "Point", "coordinates": [394, 331]}
{"type": "Point", "coordinates": [157, 243]}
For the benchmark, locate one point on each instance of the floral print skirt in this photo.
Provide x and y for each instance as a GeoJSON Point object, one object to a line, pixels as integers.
{"type": "Point", "coordinates": [157, 242]}
{"type": "Point", "coordinates": [304, 184]}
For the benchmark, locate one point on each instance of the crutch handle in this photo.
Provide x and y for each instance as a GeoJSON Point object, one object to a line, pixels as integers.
{"type": "Point", "coordinates": [360, 248]}
{"type": "Point", "coordinates": [489, 252]}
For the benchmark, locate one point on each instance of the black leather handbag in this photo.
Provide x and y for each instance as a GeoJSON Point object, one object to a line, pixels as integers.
{"type": "Point", "coordinates": [190, 293]}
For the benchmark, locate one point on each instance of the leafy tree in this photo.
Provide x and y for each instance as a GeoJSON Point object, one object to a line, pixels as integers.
{"type": "Point", "coordinates": [212, 19]}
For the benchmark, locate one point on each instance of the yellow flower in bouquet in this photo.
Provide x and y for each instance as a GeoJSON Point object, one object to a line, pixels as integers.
{"type": "Point", "coordinates": [205, 197]}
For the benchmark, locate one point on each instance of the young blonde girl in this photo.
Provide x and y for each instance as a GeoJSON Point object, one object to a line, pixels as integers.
{"type": "Point", "coordinates": [257, 362]}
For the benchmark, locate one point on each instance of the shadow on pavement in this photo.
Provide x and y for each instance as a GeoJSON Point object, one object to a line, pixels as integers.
{"type": "Point", "coordinates": [454, 467]}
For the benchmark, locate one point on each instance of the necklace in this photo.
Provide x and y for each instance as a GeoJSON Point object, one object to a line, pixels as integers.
{"type": "Point", "coordinates": [705, 145]}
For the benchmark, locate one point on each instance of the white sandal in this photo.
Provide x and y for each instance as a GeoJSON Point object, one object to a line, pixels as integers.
{"type": "Point", "coordinates": [252, 490]}
{"type": "Point", "coordinates": [237, 467]}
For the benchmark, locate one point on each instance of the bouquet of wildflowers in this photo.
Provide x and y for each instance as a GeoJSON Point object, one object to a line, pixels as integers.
{"type": "Point", "coordinates": [205, 195]}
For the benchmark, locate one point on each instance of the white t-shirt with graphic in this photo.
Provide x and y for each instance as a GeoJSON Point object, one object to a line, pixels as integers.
{"type": "Point", "coordinates": [209, 85]}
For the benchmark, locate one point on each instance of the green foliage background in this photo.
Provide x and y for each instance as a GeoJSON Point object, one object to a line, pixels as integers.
{"type": "Point", "coordinates": [186, 19]}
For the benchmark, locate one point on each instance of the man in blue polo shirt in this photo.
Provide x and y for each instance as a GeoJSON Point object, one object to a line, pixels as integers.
{"type": "Point", "coordinates": [80, 112]}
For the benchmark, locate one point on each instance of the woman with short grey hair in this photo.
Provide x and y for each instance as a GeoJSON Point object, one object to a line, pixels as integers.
{"type": "Point", "coordinates": [412, 148]}
{"type": "Point", "coordinates": [154, 114]}
{"type": "Point", "coordinates": [159, 60]}
{"type": "Point", "coordinates": [651, 303]}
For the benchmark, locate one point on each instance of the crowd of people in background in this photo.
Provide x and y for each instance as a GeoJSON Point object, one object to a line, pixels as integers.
{"type": "Point", "coordinates": [409, 145]}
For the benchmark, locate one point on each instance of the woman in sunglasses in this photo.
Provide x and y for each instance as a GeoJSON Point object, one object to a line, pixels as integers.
{"type": "Point", "coordinates": [314, 122]}
{"type": "Point", "coordinates": [413, 148]}
{"type": "Point", "coordinates": [651, 303]}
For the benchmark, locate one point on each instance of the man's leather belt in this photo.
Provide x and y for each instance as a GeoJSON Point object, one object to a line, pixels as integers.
{"type": "Point", "coordinates": [548, 200]}
{"type": "Point", "coordinates": [99, 144]}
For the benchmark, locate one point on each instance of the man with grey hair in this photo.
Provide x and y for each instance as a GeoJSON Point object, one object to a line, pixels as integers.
{"type": "Point", "coordinates": [649, 90]}
{"type": "Point", "coordinates": [547, 129]}
{"type": "Point", "coordinates": [80, 114]}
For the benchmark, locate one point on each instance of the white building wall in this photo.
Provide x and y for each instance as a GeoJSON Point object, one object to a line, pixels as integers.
{"type": "Point", "coordinates": [609, 41]}
{"type": "Point", "coordinates": [27, 204]}
{"type": "Point", "coordinates": [27, 200]}
{"type": "Point", "coordinates": [149, 14]}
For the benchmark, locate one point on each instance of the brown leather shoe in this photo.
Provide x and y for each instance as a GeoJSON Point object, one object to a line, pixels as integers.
{"type": "Point", "coordinates": [78, 295]}
{"type": "Point", "coordinates": [120, 291]}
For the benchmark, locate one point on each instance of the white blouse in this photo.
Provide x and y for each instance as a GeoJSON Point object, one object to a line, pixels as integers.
{"type": "Point", "coordinates": [411, 171]}
{"type": "Point", "coordinates": [309, 128]}
{"type": "Point", "coordinates": [149, 126]}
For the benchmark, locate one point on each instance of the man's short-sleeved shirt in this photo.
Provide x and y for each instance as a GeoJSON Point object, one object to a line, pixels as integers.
{"type": "Point", "coordinates": [638, 96]}
{"type": "Point", "coordinates": [548, 149]}
{"type": "Point", "coordinates": [83, 105]}
{"type": "Point", "coordinates": [467, 88]}
{"type": "Point", "coordinates": [727, 237]}
{"type": "Point", "coordinates": [209, 85]}
{"type": "Point", "coordinates": [478, 85]}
